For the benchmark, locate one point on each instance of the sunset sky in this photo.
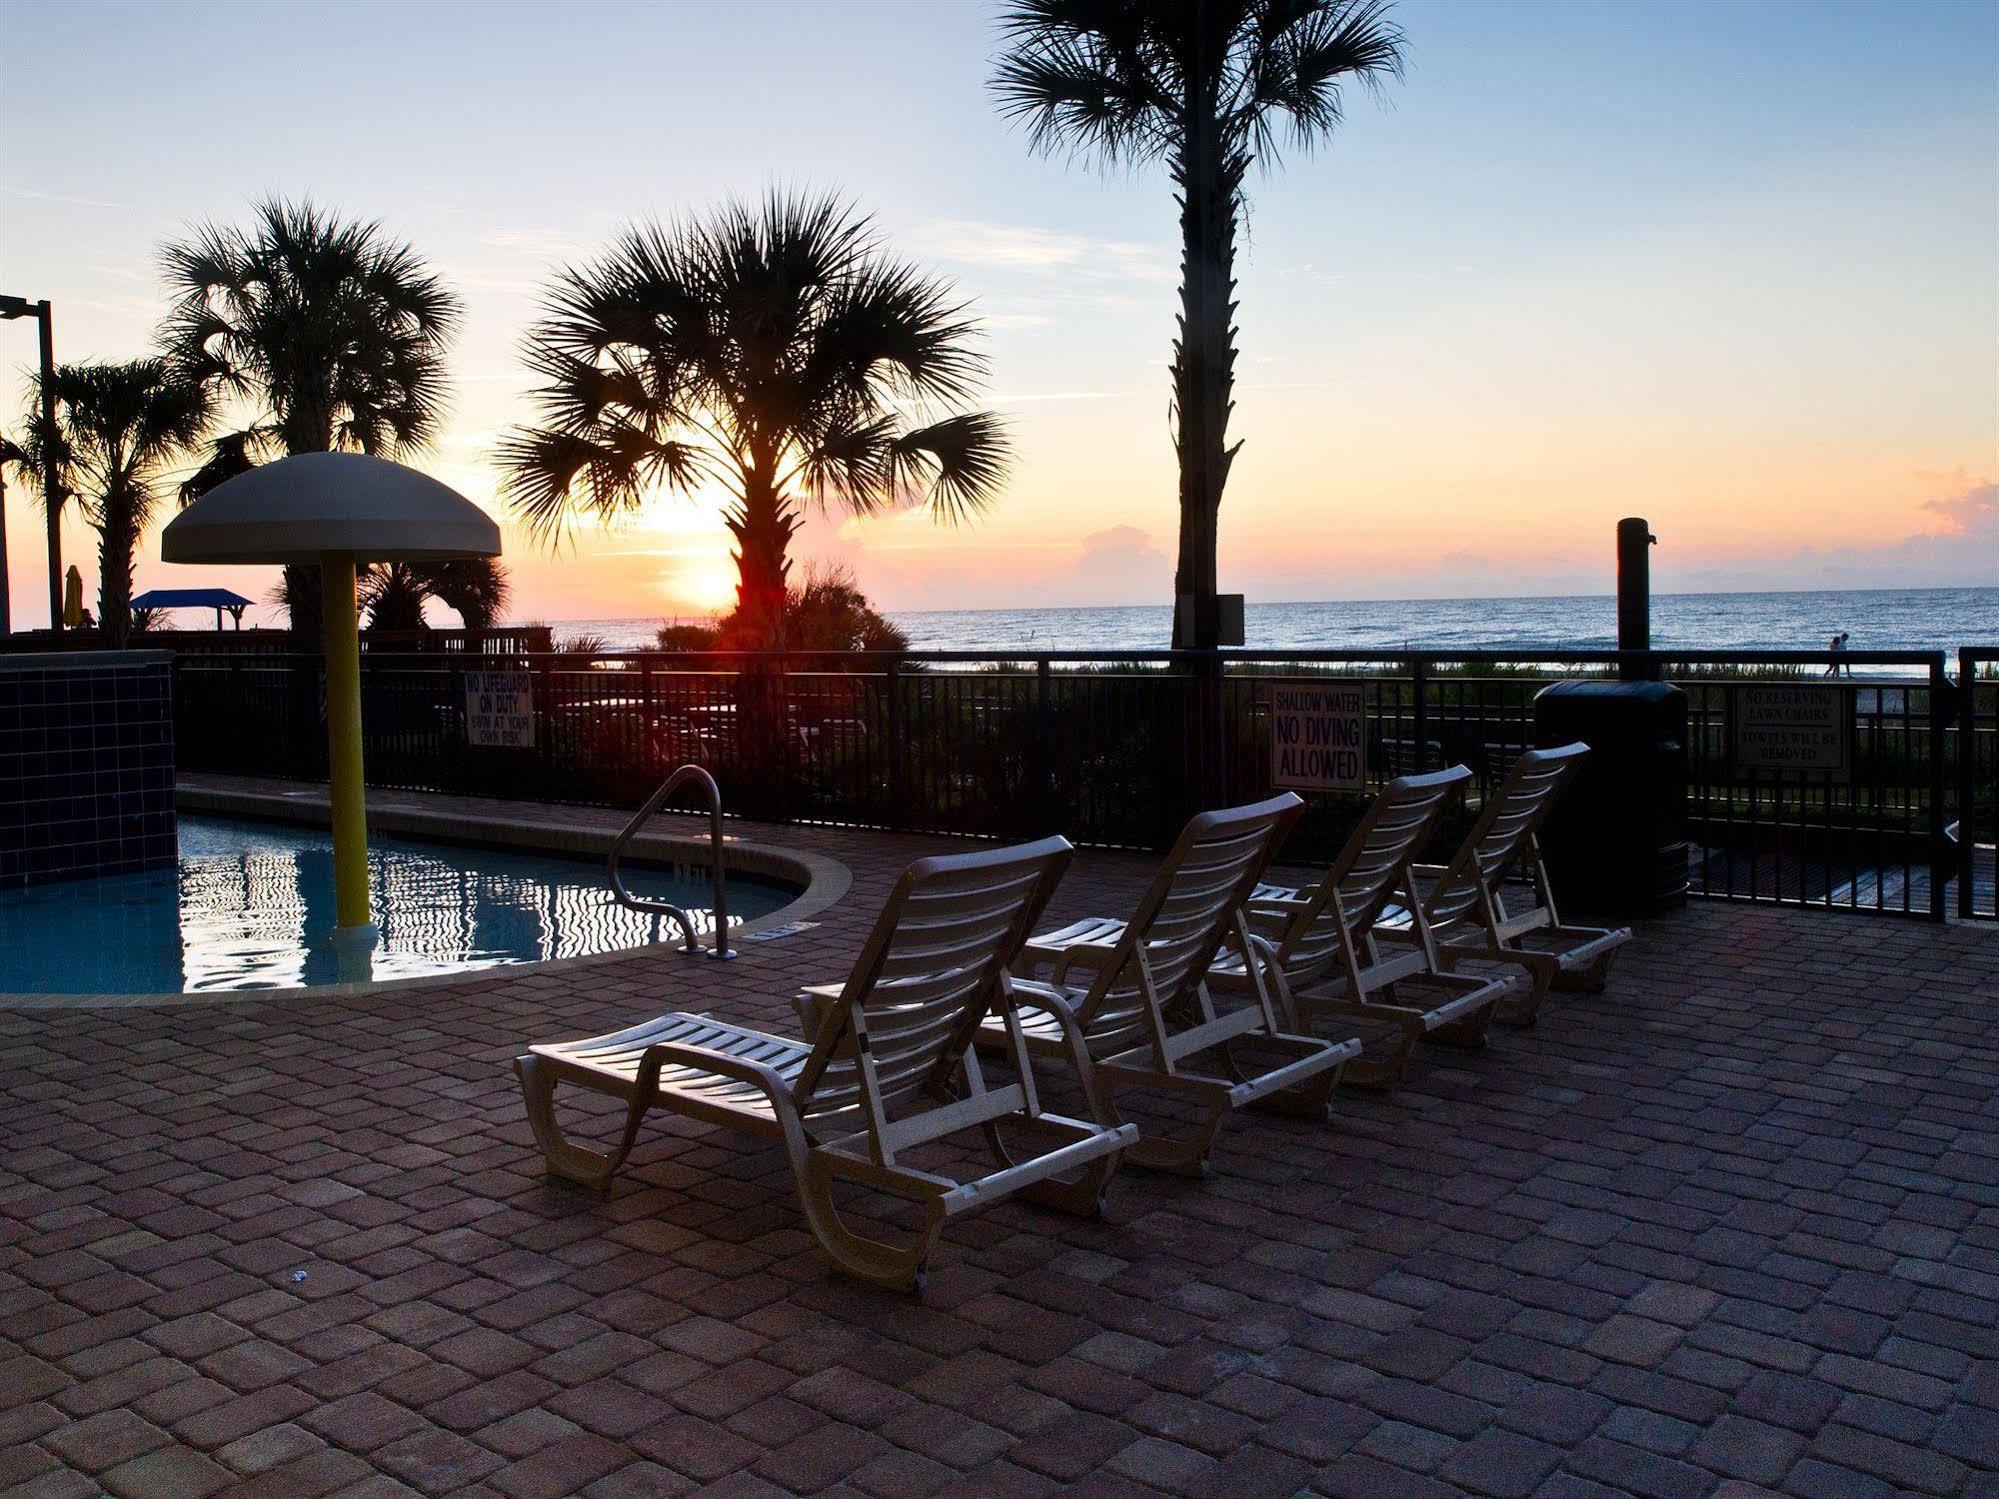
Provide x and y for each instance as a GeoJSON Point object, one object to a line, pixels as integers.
{"type": "Point", "coordinates": [1733, 267]}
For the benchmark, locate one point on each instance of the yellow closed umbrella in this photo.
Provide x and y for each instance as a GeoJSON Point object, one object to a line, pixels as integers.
{"type": "Point", "coordinates": [72, 599]}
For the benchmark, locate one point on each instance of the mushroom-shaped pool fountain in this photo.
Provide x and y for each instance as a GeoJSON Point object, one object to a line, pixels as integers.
{"type": "Point", "coordinates": [336, 510]}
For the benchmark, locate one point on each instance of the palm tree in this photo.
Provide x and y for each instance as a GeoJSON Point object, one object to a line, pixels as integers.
{"type": "Point", "coordinates": [776, 347]}
{"type": "Point", "coordinates": [332, 334]}
{"type": "Point", "coordinates": [1203, 85]}
{"type": "Point", "coordinates": [393, 593]}
{"type": "Point", "coordinates": [117, 429]}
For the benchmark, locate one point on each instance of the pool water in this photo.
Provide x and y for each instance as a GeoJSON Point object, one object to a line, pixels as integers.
{"type": "Point", "coordinates": [251, 907]}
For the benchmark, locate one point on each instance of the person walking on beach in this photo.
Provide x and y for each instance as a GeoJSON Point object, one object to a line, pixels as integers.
{"type": "Point", "coordinates": [1838, 667]}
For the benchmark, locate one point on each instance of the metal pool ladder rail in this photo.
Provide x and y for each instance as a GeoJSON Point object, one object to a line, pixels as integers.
{"type": "Point", "coordinates": [653, 803]}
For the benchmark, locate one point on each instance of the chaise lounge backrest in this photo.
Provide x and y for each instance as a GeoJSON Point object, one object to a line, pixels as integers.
{"type": "Point", "coordinates": [1505, 831]}
{"type": "Point", "coordinates": [1368, 873]}
{"type": "Point", "coordinates": [930, 971]}
{"type": "Point", "coordinates": [1183, 918]}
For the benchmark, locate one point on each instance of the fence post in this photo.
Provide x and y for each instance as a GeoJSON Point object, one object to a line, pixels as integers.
{"type": "Point", "coordinates": [1419, 689]}
{"type": "Point", "coordinates": [647, 769]}
{"type": "Point", "coordinates": [1967, 778]}
{"type": "Point", "coordinates": [544, 688]}
{"type": "Point", "coordinates": [893, 687]}
{"type": "Point", "coordinates": [455, 708]}
{"type": "Point", "coordinates": [235, 697]}
{"type": "Point", "coordinates": [1044, 719]}
{"type": "Point", "coordinates": [1941, 860]}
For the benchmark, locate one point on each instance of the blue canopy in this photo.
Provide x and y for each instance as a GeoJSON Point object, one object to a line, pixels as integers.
{"type": "Point", "coordinates": [217, 599]}
{"type": "Point", "coordinates": [190, 598]}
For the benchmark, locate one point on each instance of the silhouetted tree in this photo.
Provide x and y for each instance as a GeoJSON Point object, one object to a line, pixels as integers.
{"type": "Point", "coordinates": [393, 593]}
{"type": "Point", "coordinates": [777, 348]}
{"type": "Point", "coordinates": [331, 333]}
{"type": "Point", "coordinates": [1205, 86]}
{"type": "Point", "coordinates": [118, 427]}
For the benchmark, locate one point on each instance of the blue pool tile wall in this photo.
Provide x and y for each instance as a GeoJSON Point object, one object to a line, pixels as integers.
{"type": "Point", "coordinates": [86, 765]}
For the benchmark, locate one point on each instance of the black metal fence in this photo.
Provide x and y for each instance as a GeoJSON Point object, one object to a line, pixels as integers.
{"type": "Point", "coordinates": [1977, 803]}
{"type": "Point", "coordinates": [1116, 751]}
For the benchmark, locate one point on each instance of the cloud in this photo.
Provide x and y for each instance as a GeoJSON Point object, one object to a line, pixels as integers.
{"type": "Point", "coordinates": [1046, 252]}
{"type": "Point", "coordinates": [537, 241]}
{"type": "Point", "coordinates": [922, 569]}
{"type": "Point", "coordinates": [1973, 514]}
{"type": "Point", "coordinates": [1121, 561]}
{"type": "Point", "coordinates": [33, 196]}
{"type": "Point", "coordinates": [1962, 553]}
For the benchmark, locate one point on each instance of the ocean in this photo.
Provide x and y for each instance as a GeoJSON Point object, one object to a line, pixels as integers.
{"type": "Point", "coordinates": [1877, 619]}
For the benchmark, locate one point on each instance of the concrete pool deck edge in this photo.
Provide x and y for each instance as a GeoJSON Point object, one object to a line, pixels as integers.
{"type": "Point", "coordinates": [824, 880]}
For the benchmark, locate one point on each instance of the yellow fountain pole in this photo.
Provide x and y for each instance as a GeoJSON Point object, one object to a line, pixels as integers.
{"type": "Point", "coordinates": [342, 631]}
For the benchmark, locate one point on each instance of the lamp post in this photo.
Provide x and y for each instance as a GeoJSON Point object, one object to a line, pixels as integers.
{"type": "Point", "coordinates": [18, 306]}
{"type": "Point", "coordinates": [6, 607]}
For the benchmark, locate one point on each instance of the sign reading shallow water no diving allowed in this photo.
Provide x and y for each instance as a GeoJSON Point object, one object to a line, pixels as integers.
{"type": "Point", "coordinates": [1318, 736]}
{"type": "Point", "coordinates": [499, 709]}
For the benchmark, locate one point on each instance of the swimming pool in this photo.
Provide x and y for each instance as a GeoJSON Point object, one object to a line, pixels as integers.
{"type": "Point", "coordinates": [251, 907]}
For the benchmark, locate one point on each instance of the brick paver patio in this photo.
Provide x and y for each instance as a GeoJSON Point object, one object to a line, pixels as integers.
{"type": "Point", "coordinates": [1733, 1225]}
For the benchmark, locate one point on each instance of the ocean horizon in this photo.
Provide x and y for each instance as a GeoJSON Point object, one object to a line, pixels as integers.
{"type": "Point", "coordinates": [1875, 618]}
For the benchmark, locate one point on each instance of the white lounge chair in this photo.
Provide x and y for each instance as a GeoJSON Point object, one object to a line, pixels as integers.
{"type": "Point", "coordinates": [1466, 902]}
{"type": "Point", "coordinates": [1323, 938]}
{"type": "Point", "coordinates": [890, 1066]}
{"type": "Point", "coordinates": [1125, 1003]}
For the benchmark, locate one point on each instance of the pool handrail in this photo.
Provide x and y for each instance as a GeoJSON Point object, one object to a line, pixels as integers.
{"type": "Point", "coordinates": [653, 803]}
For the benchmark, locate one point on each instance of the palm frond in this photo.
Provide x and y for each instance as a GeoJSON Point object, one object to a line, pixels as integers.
{"type": "Point", "coordinates": [1097, 88]}
{"type": "Point", "coordinates": [228, 456]}
{"type": "Point", "coordinates": [335, 331]}
{"type": "Point", "coordinates": [960, 464]}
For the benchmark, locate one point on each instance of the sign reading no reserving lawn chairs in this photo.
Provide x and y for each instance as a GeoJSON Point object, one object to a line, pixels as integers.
{"type": "Point", "coordinates": [499, 709]}
{"type": "Point", "coordinates": [1318, 736]}
{"type": "Point", "coordinates": [1806, 729]}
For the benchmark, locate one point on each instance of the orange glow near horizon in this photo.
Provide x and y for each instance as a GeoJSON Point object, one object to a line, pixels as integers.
{"type": "Point", "coordinates": [1473, 335]}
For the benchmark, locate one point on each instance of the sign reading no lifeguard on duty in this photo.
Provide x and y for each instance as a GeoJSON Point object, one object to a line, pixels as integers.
{"type": "Point", "coordinates": [1318, 736]}
{"type": "Point", "coordinates": [499, 709]}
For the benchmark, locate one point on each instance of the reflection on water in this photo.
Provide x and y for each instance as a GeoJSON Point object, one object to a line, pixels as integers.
{"type": "Point", "coordinates": [251, 907]}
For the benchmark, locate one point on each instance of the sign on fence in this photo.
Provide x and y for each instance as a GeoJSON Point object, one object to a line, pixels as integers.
{"type": "Point", "coordinates": [1796, 728]}
{"type": "Point", "coordinates": [499, 709]}
{"type": "Point", "coordinates": [1318, 736]}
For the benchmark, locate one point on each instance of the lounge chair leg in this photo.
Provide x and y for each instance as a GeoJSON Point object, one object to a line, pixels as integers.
{"type": "Point", "coordinates": [1590, 980]}
{"type": "Point", "coordinates": [899, 1269]}
{"type": "Point", "coordinates": [1188, 1157]}
{"type": "Point", "coordinates": [1311, 1099]}
{"type": "Point", "coordinates": [1080, 1193]}
{"type": "Point", "coordinates": [1467, 1034]}
{"type": "Point", "coordinates": [593, 1168]}
{"type": "Point", "coordinates": [1372, 1071]}
{"type": "Point", "coordinates": [1526, 1009]}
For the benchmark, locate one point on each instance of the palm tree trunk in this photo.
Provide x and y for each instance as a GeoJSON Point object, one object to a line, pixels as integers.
{"type": "Point", "coordinates": [763, 529]}
{"type": "Point", "coordinates": [116, 542]}
{"type": "Point", "coordinates": [1208, 172]}
{"type": "Point", "coordinates": [307, 428]}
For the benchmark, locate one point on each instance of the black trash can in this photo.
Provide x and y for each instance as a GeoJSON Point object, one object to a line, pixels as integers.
{"type": "Point", "coordinates": [1616, 843]}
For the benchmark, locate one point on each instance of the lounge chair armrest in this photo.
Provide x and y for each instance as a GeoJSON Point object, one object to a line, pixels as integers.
{"type": "Point", "coordinates": [1031, 995]}
{"type": "Point", "coordinates": [1080, 955]}
{"type": "Point", "coordinates": [1059, 958]}
{"type": "Point", "coordinates": [1263, 952]}
{"type": "Point", "coordinates": [1269, 920]}
{"type": "Point", "coordinates": [702, 1059]}
{"type": "Point", "coordinates": [811, 1004]}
